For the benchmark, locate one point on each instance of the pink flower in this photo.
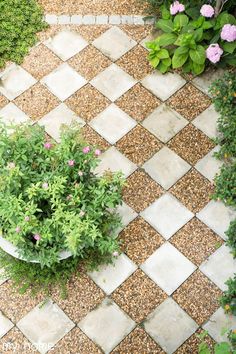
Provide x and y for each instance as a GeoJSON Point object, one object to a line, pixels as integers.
{"type": "Point", "coordinates": [45, 185]}
{"type": "Point", "coordinates": [47, 146]}
{"type": "Point", "coordinates": [37, 237]}
{"type": "Point", "coordinates": [17, 229]}
{"type": "Point", "coordinates": [115, 254]}
{"type": "Point", "coordinates": [69, 197]}
{"type": "Point", "coordinates": [214, 53]}
{"type": "Point", "coordinates": [207, 11]}
{"type": "Point", "coordinates": [27, 218]}
{"type": "Point", "coordinates": [228, 33]}
{"type": "Point", "coordinates": [86, 149]}
{"type": "Point", "coordinates": [71, 163]}
{"type": "Point", "coordinates": [82, 213]}
{"type": "Point", "coordinates": [80, 173]}
{"type": "Point", "coordinates": [97, 152]}
{"type": "Point", "coordinates": [176, 7]}
{"type": "Point", "coordinates": [11, 165]}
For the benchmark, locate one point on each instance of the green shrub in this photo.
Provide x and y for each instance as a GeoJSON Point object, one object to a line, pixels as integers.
{"type": "Point", "coordinates": [50, 198]}
{"type": "Point", "coordinates": [185, 41]}
{"type": "Point", "coordinates": [231, 237]}
{"type": "Point", "coordinates": [228, 300]}
{"type": "Point", "coordinates": [219, 348]}
{"type": "Point", "coordinates": [225, 183]}
{"type": "Point", "coordinates": [20, 20]}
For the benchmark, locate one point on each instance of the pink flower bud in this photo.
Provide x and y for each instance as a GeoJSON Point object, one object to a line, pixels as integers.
{"type": "Point", "coordinates": [45, 185]}
{"type": "Point", "coordinates": [11, 165]}
{"type": "Point", "coordinates": [82, 213]}
{"type": "Point", "coordinates": [71, 163]}
{"type": "Point", "coordinates": [115, 254]}
{"type": "Point", "coordinates": [80, 173]}
{"type": "Point", "coordinates": [97, 152]}
{"type": "Point", "coordinates": [47, 146]}
{"type": "Point", "coordinates": [69, 197]}
{"type": "Point", "coordinates": [37, 237]}
{"type": "Point", "coordinates": [27, 218]}
{"type": "Point", "coordinates": [17, 229]}
{"type": "Point", "coordinates": [86, 149]}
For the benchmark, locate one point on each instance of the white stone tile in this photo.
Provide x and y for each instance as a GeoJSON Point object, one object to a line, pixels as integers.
{"type": "Point", "coordinates": [113, 82]}
{"type": "Point", "coordinates": [163, 86]}
{"type": "Point", "coordinates": [220, 266]}
{"type": "Point", "coordinates": [14, 81]}
{"type": "Point", "coordinates": [51, 19]}
{"type": "Point", "coordinates": [207, 121]}
{"type": "Point", "coordinates": [170, 326]}
{"type": "Point", "coordinates": [209, 166]}
{"type": "Point", "coordinates": [56, 118]}
{"type": "Point", "coordinates": [114, 161]}
{"type": "Point", "coordinates": [107, 325]}
{"type": "Point", "coordinates": [102, 19]}
{"type": "Point", "coordinates": [63, 81]}
{"type": "Point", "coordinates": [217, 216]}
{"type": "Point", "coordinates": [113, 123]}
{"type": "Point", "coordinates": [66, 44]}
{"type": "Point", "coordinates": [63, 20]}
{"type": "Point", "coordinates": [151, 37]}
{"type": "Point", "coordinates": [114, 43]}
{"type": "Point", "coordinates": [127, 215]}
{"type": "Point", "coordinates": [166, 167]}
{"type": "Point", "coordinates": [217, 322]}
{"type": "Point", "coordinates": [115, 20]}
{"type": "Point", "coordinates": [109, 277]}
{"type": "Point", "coordinates": [204, 81]}
{"type": "Point", "coordinates": [167, 215]}
{"type": "Point", "coordinates": [5, 325]}
{"type": "Point", "coordinates": [11, 114]}
{"type": "Point", "coordinates": [164, 123]}
{"type": "Point", "coordinates": [45, 325]}
{"type": "Point", "coordinates": [168, 268]}
{"type": "Point", "coordinates": [76, 19]}
{"type": "Point", "coordinates": [88, 20]}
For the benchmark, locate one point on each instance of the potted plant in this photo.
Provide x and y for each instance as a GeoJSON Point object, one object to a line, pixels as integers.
{"type": "Point", "coordinates": [52, 205]}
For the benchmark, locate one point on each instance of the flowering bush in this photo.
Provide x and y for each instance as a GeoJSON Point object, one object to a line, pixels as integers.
{"type": "Point", "coordinates": [191, 44]}
{"type": "Point", "coordinates": [50, 198]}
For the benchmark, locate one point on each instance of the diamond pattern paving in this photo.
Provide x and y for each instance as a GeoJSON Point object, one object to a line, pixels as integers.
{"type": "Point", "coordinates": [152, 127]}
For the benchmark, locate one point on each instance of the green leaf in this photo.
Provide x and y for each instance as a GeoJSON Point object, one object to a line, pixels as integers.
{"type": "Point", "coordinates": [180, 21]}
{"type": "Point", "coordinates": [198, 68]}
{"type": "Point", "coordinates": [166, 39]}
{"type": "Point", "coordinates": [155, 61]}
{"type": "Point", "coordinates": [223, 19]}
{"type": "Point", "coordinates": [165, 13]}
{"type": "Point", "coordinates": [167, 61]}
{"type": "Point", "coordinates": [222, 348]}
{"type": "Point", "coordinates": [188, 66]}
{"type": "Point", "coordinates": [230, 59]}
{"type": "Point", "coordinates": [163, 54]}
{"type": "Point", "coordinates": [179, 58]}
{"type": "Point", "coordinates": [229, 47]}
{"type": "Point", "coordinates": [199, 22]}
{"type": "Point", "coordinates": [198, 55]}
{"type": "Point", "coordinates": [193, 12]}
{"type": "Point", "coordinates": [198, 33]}
{"type": "Point", "coordinates": [208, 24]}
{"type": "Point", "coordinates": [162, 68]}
{"type": "Point", "coordinates": [184, 39]}
{"type": "Point", "coordinates": [165, 25]}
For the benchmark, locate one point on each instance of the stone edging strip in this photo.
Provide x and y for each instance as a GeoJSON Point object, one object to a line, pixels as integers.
{"type": "Point", "coordinates": [97, 20]}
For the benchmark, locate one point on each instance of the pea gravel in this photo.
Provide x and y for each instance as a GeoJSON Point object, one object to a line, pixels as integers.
{"type": "Point", "coordinates": [192, 343]}
{"type": "Point", "coordinates": [94, 138]}
{"type": "Point", "coordinates": [15, 342]}
{"type": "Point", "coordinates": [3, 101]}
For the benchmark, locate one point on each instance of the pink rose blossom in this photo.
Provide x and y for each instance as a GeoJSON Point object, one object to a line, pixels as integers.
{"type": "Point", "coordinates": [97, 152]}
{"type": "Point", "coordinates": [47, 146]}
{"type": "Point", "coordinates": [214, 53]}
{"type": "Point", "coordinates": [176, 7]}
{"type": "Point", "coordinates": [82, 213]}
{"type": "Point", "coordinates": [115, 254]}
{"type": "Point", "coordinates": [37, 237]}
{"type": "Point", "coordinates": [17, 229]}
{"type": "Point", "coordinates": [80, 173]}
{"type": "Point", "coordinates": [228, 33]}
{"type": "Point", "coordinates": [27, 218]}
{"type": "Point", "coordinates": [86, 149]}
{"type": "Point", "coordinates": [11, 165]}
{"type": "Point", "coordinates": [207, 11]}
{"type": "Point", "coordinates": [45, 185]}
{"type": "Point", "coordinates": [71, 163]}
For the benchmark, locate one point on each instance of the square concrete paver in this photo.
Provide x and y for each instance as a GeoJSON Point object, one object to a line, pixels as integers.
{"type": "Point", "coordinates": [166, 167]}
{"type": "Point", "coordinates": [107, 325]}
{"type": "Point", "coordinates": [113, 82]}
{"type": "Point", "coordinates": [167, 215]}
{"type": "Point", "coordinates": [11, 114]}
{"type": "Point", "coordinates": [59, 116]}
{"type": "Point", "coordinates": [209, 166]}
{"type": "Point", "coordinates": [66, 44]}
{"type": "Point", "coordinates": [114, 43]}
{"type": "Point", "coordinates": [217, 216]}
{"type": "Point", "coordinates": [14, 81]}
{"type": "Point", "coordinates": [109, 277]}
{"type": "Point", "coordinates": [169, 325]}
{"type": "Point", "coordinates": [5, 325]}
{"type": "Point", "coordinates": [63, 81]}
{"type": "Point", "coordinates": [112, 123]}
{"type": "Point", "coordinates": [114, 161]}
{"type": "Point", "coordinates": [164, 123]}
{"type": "Point", "coordinates": [207, 122]}
{"type": "Point", "coordinates": [127, 215]}
{"type": "Point", "coordinates": [204, 81]}
{"type": "Point", "coordinates": [220, 266]}
{"type": "Point", "coordinates": [218, 322]}
{"type": "Point", "coordinates": [45, 325]}
{"type": "Point", "coordinates": [163, 86]}
{"type": "Point", "coordinates": [168, 267]}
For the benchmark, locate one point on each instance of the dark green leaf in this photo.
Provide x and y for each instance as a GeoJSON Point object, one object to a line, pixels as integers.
{"type": "Point", "coordinates": [166, 39]}
{"type": "Point", "coordinates": [180, 21]}
{"type": "Point", "coordinates": [179, 58]}
{"type": "Point", "coordinates": [165, 25]}
{"type": "Point", "coordinates": [198, 55]}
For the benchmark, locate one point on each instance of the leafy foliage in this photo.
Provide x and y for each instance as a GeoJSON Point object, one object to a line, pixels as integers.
{"type": "Point", "coordinates": [219, 348]}
{"type": "Point", "coordinates": [20, 20]}
{"type": "Point", "coordinates": [226, 185]}
{"type": "Point", "coordinates": [228, 300]}
{"type": "Point", "coordinates": [50, 198]}
{"type": "Point", "coordinates": [231, 237]}
{"type": "Point", "coordinates": [184, 41]}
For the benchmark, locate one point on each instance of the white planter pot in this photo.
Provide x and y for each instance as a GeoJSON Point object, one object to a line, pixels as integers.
{"type": "Point", "coordinates": [9, 248]}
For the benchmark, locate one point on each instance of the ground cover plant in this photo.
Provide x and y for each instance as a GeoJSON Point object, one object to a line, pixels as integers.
{"type": "Point", "coordinates": [193, 38]}
{"type": "Point", "coordinates": [20, 20]}
{"type": "Point", "coordinates": [50, 198]}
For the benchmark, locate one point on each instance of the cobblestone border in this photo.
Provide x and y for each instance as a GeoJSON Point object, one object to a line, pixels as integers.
{"type": "Point", "coordinates": [97, 20]}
